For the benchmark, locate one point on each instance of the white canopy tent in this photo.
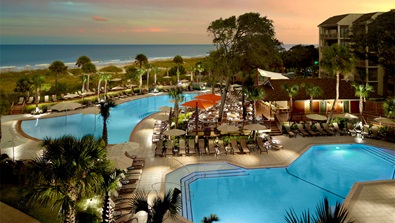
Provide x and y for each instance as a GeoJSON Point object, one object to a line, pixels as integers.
{"type": "Point", "coordinates": [271, 75]}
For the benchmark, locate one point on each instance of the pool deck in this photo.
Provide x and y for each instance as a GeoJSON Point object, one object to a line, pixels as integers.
{"type": "Point", "coordinates": [367, 202]}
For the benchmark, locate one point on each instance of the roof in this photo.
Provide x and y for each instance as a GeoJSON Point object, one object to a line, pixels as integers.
{"type": "Point", "coordinates": [333, 20]}
{"type": "Point", "coordinates": [364, 18]}
{"type": "Point", "coordinates": [328, 85]}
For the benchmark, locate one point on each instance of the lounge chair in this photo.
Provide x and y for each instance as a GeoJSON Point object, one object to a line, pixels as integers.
{"type": "Point", "coordinates": [337, 129]}
{"type": "Point", "coordinates": [327, 129]}
{"type": "Point", "coordinates": [235, 146]}
{"type": "Point", "coordinates": [365, 131]}
{"type": "Point", "coordinates": [273, 144]}
{"type": "Point", "coordinates": [30, 101]}
{"type": "Point", "coordinates": [169, 148]}
{"type": "Point", "coordinates": [351, 129]}
{"type": "Point", "coordinates": [261, 146]}
{"type": "Point", "coordinates": [21, 100]}
{"type": "Point", "coordinates": [221, 147]}
{"type": "Point", "coordinates": [310, 130]}
{"type": "Point", "coordinates": [159, 148]}
{"type": "Point", "coordinates": [302, 131]}
{"type": "Point", "coordinates": [182, 146]}
{"type": "Point", "coordinates": [202, 147]}
{"type": "Point", "coordinates": [289, 131]}
{"type": "Point", "coordinates": [191, 147]}
{"type": "Point", "coordinates": [375, 133]}
{"type": "Point", "coordinates": [54, 98]}
{"type": "Point", "coordinates": [244, 147]}
{"type": "Point", "coordinates": [211, 147]}
{"type": "Point", "coordinates": [320, 130]}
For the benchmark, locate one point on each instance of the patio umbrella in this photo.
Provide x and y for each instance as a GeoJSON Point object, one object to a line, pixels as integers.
{"type": "Point", "coordinates": [350, 116]}
{"type": "Point", "coordinates": [184, 81]}
{"type": "Point", "coordinates": [316, 117]}
{"type": "Point", "coordinates": [209, 97]}
{"type": "Point", "coordinates": [174, 132]}
{"type": "Point", "coordinates": [117, 88]}
{"type": "Point", "coordinates": [68, 105]}
{"type": "Point", "coordinates": [122, 162]}
{"type": "Point", "coordinates": [115, 79]}
{"type": "Point", "coordinates": [384, 120]}
{"type": "Point", "coordinates": [227, 128]}
{"type": "Point", "coordinates": [255, 127]}
{"type": "Point", "coordinates": [68, 96]}
{"type": "Point", "coordinates": [198, 104]}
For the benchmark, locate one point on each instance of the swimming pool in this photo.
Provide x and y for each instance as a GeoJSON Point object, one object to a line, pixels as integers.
{"type": "Point", "coordinates": [263, 195]}
{"type": "Point", "coordinates": [123, 119]}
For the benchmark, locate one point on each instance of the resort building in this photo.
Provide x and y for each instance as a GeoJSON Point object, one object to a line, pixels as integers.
{"type": "Point", "coordinates": [338, 30]}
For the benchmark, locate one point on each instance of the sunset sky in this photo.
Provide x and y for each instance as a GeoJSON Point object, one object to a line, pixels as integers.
{"type": "Point", "coordinates": [162, 21]}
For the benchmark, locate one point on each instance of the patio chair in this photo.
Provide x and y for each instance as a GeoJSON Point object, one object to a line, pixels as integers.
{"type": "Point", "coordinates": [244, 147]}
{"type": "Point", "coordinates": [272, 144]}
{"type": "Point", "coordinates": [191, 147]}
{"type": "Point", "coordinates": [202, 147]}
{"type": "Point", "coordinates": [337, 129]}
{"type": "Point", "coordinates": [320, 130]}
{"type": "Point", "coordinates": [261, 146]}
{"type": "Point", "coordinates": [289, 131]}
{"type": "Point", "coordinates": [365, 131]}
{"type": "Point", "coordinates": [182, 146]}
{"type": "Point", "coordinates": [302, 131]}
{"type": "Point", "coordinates": [235, 146]}
{"type": "Point", "coordinates": [211, 147]}
{"type": "Point", "coordinates": [327, 129]}
{"type": "Point", "coordinates": [46, 98]}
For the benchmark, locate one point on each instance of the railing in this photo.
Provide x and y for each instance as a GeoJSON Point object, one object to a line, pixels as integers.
{"type": "Point", "coordinates": [190, 178]}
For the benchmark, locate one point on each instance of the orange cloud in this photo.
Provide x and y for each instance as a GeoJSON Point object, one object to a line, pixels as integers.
{"type": "Point", "coordinates": [148, 30]}
{"type": "Point", "coordinates": [98, 18]}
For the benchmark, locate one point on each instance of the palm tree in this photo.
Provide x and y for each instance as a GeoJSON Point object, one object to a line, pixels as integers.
{"type": "Point", "coordinates": [106, 78]}
{"type": "Point", "coordinates": [200, 69]}
{"type": "Point", "coordinates": [155, 71]}
{"type": "Point", "coordinates": [254, 94]}
{"type": "Point", "coordinates": [148, 68]}
{"type": "Point", "coordinates": [212, 218]}
{"type": "Point", "coordinates": [140, 60]}
{"type": "Point", "coordinates": [336, 60]}
{"type": "Point", "coordinates": [292, 91]}
{"type": "Point", "coordinates": [313, 91]}
{"type": "Point", "coordinates": [389, 107]}
{"type": "Point", "coordinates": [105, 107]}
{"type": "Point", "coordinates": [133, 75]}
{"type": "Point", "coordinates": [362, 91]}
{"type": "Point", "coordinates": [38, 81]}
{"type": "Point", "coordinates": [178, 60]}
{"type": "Point", "coordinates": [324, 214]}
{"type": "Point", "coordinates": [57, 67]}
{"type": "Point", "coordinates": [82, 60]}
{"type": "Point", "coordinates": [176, 95]}
{"type": "Point", "coordinates": [110, 184]}
{"type": "Point", "coordinates": [170, 203]}
{"type": "Point", "coordinates": [65, 174]}
{"type": "Point", "coordinates": [88, 69]}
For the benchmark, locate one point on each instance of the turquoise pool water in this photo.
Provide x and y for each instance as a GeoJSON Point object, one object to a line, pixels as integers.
{"type": "Point", "coordinates": [121, 123]}
{"type": "Point", "coordinates": [264, 195]}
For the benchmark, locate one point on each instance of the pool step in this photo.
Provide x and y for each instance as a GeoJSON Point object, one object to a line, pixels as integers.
{"type": "Point", "coordinates": [190, 178]}
{"type": "Point", "coordinates": [381, 154]}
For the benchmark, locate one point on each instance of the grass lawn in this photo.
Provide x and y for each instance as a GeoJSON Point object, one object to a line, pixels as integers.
{"type": "Point", "coordinates": [10, 195]}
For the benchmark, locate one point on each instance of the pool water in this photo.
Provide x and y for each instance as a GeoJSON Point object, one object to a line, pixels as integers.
{"type": "Point", "coordinates": [264, 195]}
{"type": "Point", "coordinates": [123, 119]}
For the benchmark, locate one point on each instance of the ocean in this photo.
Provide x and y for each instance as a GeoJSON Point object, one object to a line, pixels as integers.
{"type": "Point", "coordinates": [22, 57]}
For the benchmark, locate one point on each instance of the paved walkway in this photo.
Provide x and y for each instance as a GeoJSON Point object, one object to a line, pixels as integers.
{"type": "Point", "coordinates": [155, 170]}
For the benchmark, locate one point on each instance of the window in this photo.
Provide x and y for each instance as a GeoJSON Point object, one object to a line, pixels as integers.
{"type": "Point", "coordinates": [373, 74]}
